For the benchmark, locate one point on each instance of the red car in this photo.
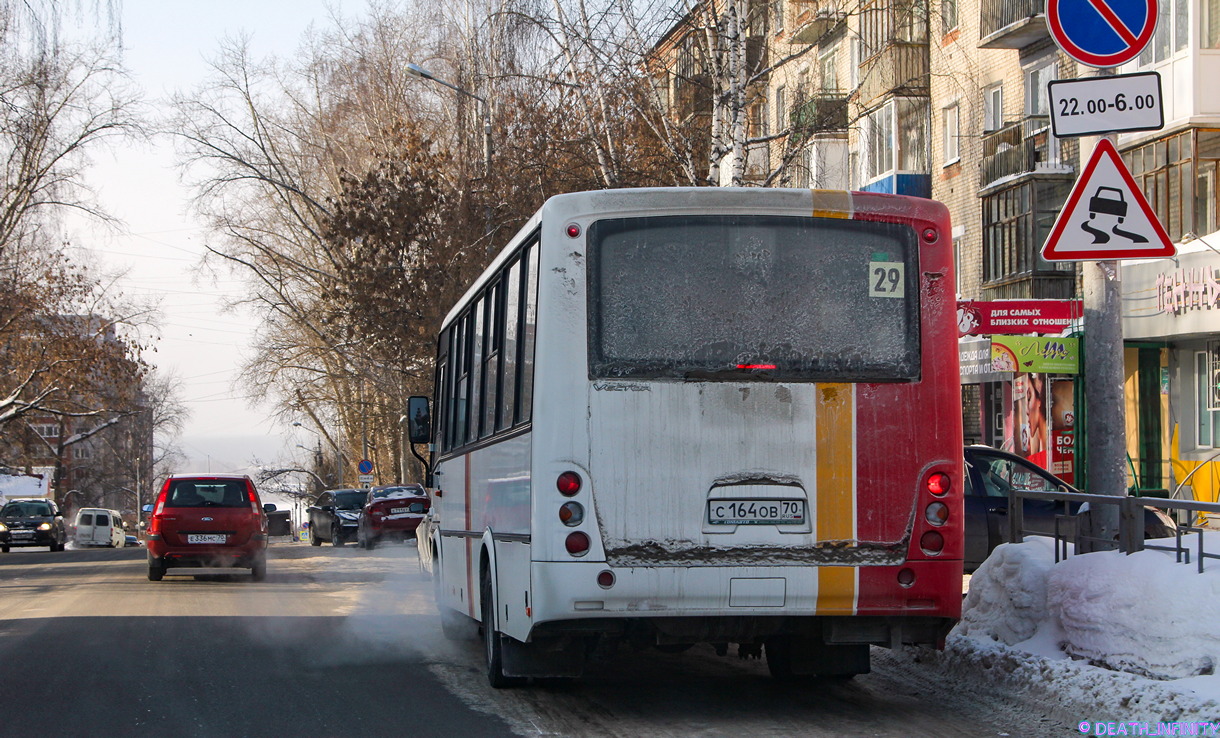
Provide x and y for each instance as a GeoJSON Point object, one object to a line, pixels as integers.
{"type": "Point", "coordinates": [392, 512]}
{"type": "Point", "coordinates": [207, 521]}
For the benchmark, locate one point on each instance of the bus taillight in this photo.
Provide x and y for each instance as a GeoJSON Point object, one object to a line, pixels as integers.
{"type": "Point", "coordinates": [572, 514]}
{"type": "Point", "coordinates": [932, 543]}
{"type": "Point", "coordinates": [568, 483]}
{"type": "Point", "coordinates": [939, 484]}
{"type": "Point", "coordinates": [577, 543]}
{"type": "Point", "coordinates": [937, 513]}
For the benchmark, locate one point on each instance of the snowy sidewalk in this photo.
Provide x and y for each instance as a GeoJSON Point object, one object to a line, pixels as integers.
{"type": "Point", "coordinates": [1102, 639]}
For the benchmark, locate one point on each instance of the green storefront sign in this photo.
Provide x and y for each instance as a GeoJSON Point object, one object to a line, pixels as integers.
{"type": "Point", "coordinates": [1035, 354]}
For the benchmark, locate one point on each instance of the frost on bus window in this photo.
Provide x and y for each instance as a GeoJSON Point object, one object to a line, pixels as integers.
{"type": "Point", "coordinates": [711, 296]}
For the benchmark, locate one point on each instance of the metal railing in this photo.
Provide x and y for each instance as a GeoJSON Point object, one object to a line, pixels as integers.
{"type": "Point", "coordinates": [995, 15]}
{"type": "Point", "coordinates": [1021, 147]}
{"type": "Point", "coordinates": [1130, 523]}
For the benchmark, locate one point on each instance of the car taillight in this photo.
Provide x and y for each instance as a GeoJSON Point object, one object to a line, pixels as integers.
{"type": "Point", "coordinates": [160, 502]}
{"type": "Point", "coordinates": [568, 483]}
{"type": "Point", "coordinates": [939, 484]}
{"type": "Point", "coordinates": [577, 543]}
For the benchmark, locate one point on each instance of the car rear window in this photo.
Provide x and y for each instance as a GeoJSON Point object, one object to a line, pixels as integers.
{"type": "Point", "coordinates": [86, 518]}
{"type": "Point", "coordinates": [103, 519]}
{"type": "Point", "coordinates": [207, 493]}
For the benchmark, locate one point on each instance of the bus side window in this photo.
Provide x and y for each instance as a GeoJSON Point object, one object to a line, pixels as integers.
{"type": "Point", "coordinates": [461, 344]}
{"type": "Point", "coordinates": [531, 321]}
{"type": "Point", "coordinates": [491, 363]}
{"type": "Point", "coordinates": [512, 316]}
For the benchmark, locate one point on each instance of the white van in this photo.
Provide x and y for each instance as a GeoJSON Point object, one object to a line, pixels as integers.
{"type": "Point", "coordinates": [96, 526]}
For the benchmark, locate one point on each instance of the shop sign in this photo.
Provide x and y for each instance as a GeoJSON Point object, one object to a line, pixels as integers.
{"type": "Point", "coordinates": [1015, 317]}
{"type": "Point", "coordinates": [1183, 290]}
{"type": "Point", "coordinates": [974, 358]}
{"type": "Point", "coordinates": [1036, 354]}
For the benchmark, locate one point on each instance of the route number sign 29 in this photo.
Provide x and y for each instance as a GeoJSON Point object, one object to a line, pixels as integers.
{"type": "Point", "coordinates": [1099, 105]}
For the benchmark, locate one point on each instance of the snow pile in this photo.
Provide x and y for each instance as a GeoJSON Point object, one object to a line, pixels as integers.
{"type": "Point", "coordinates": [1041, 624]}
{"type": "Point", "coordinates": [1165, 629]}
{"type": "Point", "coordinates": [1007, 598]}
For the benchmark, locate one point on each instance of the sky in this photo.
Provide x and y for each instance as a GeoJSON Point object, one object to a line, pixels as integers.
{"type": "Point", "coordinates": [167, 44]}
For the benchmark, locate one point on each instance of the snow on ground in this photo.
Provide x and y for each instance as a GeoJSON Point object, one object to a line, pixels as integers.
{"type": "Point", "coordinates": [1101, 637]}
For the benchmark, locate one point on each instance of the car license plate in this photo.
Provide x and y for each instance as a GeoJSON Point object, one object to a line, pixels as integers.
{"type": "Point", "coordinates": [23, 534]}
{"type": "Point", "coordinates": [399, 510]}
{"type": "Point", "coordinates": [206, 537]}
{"type": "Point", "coordinates": [756, 512]}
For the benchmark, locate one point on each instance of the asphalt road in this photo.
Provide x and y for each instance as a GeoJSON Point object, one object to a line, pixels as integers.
{"type": "Point", "coordinates": [345, 642]}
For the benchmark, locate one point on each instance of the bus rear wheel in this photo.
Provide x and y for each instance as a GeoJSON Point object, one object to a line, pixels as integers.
{"type": "Point", "coordinates": [492, 645]}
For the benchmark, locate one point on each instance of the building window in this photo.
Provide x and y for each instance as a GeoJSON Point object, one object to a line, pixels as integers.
{"type": "Point", "coordinates": [952, 132]}
{"type": "Point", "coordinates": [948, 15]}
{"type": "Point", "coordinates": [1207, 395]}
{"type": "Point", "coordinates": [912, 135]}
{"type": "Point", "coordinates": [1016, 222]}
{"type": "Point", "coordinates": [1178, 176]}
{"type": "Point", "coordinates": [828, 72]}
{"type": "Point", "coordinates": [1172, 32]}
{"type": "Point", "coordinates": [46, 430]}
{"type": "Point", "coordinates": [896, 138]}
{"type": "Point", "coordinates": [781, 109]}
{"type": "Point", "coordinates": [1209, 24]}
{"type": "Point", "coordinates": [993, 108]}
{"type": "Point", "coordinates": [80, 453]}
{"type": "Point", "coordinates": [1037, 101]}
{"type": "Point", "coordinates": [777, 16]}
{"type": "Point", "coordinates": [879, 143]}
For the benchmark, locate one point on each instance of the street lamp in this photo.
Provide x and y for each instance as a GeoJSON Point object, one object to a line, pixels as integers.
{"type": "Point", "coordinates": [417, 71]}
{"type": "Point", "coordinates": [335, 446]}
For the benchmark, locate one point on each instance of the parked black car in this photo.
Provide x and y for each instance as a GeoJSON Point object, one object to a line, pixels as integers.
{"type": "Point", "coordinates": [32, 522]}
{"type": "Point", "coordinates": [334, 516]}
{"type": "Point", "coordinates": [991, 473]}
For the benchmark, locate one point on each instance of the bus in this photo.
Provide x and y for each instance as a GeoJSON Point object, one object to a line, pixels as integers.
{"type": "Point", "coordinates": [671, 416]}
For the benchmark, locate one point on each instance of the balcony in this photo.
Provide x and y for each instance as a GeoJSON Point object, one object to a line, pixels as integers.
{"type": "Point", "coordinates": [825, 111]}
{"type": "Point", "coordinates": [900, 67]}
{"type": "Point", "coordinates": [813, 20]}
{"type": "Point", "coordinates": [1024, 147]}
{"type": "Point", "coordinates": [1011, 24]}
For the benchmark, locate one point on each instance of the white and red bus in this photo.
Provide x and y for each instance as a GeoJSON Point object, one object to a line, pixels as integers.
{"type": "Point", "coordinates": [728, 416]}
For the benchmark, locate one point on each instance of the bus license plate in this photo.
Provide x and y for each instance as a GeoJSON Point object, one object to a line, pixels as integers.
{"type": "Point", "coordinates": [756, 512]}
{"type": "Point", "coordinates": [205, 538]}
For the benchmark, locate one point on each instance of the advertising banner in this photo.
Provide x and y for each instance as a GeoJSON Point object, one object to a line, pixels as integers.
{"type": "Point", "coordinates": [1015, 317]}
{"type": "Point", "coordinates": [1036, 354]}
{"type": "Point", "coordinates": [1063, 430]}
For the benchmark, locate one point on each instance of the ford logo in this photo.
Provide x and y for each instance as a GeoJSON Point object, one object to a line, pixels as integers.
{"type": "Point", "coordinates": [206, 520]}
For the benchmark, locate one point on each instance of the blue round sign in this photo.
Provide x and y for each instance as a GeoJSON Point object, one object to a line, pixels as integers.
{"type": "Point", "coordinates": [1102, 33]}
{"type": "Point", "coordinates": [365, 467]}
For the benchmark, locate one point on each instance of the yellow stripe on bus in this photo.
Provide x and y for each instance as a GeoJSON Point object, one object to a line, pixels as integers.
{"type": "Point", "coordinates": [832, 204]}
{"type": "Point", "coordinates": [836, 492]}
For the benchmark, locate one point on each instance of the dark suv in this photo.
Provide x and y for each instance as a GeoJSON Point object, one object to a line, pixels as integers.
{"type": "Point", "coordinates": [208, 521]}
{"type": "Point", "coordinates": [33, 522]}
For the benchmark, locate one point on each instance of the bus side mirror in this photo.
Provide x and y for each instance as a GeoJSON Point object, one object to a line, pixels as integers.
{"type": "Point", "coordinates": [419, 420]}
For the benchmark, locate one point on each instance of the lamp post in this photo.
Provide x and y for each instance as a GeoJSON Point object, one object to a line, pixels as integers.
{"type": "Point", "coordinates": [418, 71]}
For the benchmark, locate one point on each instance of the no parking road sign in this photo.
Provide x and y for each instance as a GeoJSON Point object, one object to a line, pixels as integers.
{"type": "Point", "coordinates": [1102, 33]}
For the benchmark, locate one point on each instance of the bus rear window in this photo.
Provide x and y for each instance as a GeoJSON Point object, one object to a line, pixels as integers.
{"type": "Point", "coordinates": [753, 297]}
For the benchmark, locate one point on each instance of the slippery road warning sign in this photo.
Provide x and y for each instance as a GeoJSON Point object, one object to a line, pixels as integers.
{"type": "Point", "coordinates": [1106, 216]}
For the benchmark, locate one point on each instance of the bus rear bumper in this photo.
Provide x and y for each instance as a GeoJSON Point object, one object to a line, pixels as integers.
{"type": "Point", "coordinates": [745, 604]}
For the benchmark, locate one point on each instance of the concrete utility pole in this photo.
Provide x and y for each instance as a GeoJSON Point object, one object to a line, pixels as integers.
{"type": "Point", "coordinates": [1106, 435]}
